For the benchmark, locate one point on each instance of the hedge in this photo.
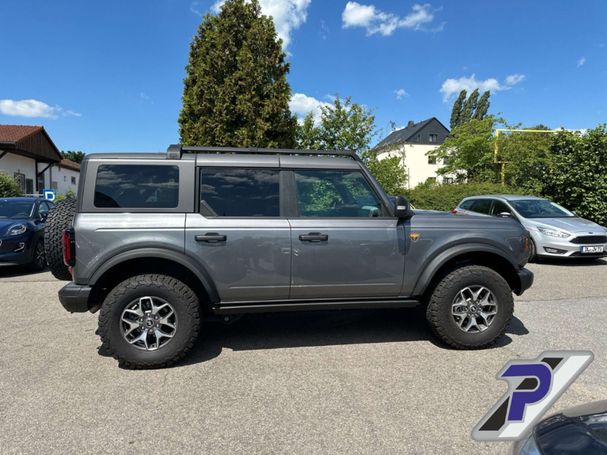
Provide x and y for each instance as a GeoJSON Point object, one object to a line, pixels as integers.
{"type": "Point", "coordinates": [446, 197]}
{"type": "Point", "coordinates": [8, 186]}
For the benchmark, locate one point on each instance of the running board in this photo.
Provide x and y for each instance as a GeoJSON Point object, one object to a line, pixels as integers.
{"type": "Point", "coordinates": [311, 305]}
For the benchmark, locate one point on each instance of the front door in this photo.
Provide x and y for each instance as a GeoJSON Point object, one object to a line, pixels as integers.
{"type": "Point", "coordinates": [344, 243]}
{"type": "Point", "coordinates": [239, 236]}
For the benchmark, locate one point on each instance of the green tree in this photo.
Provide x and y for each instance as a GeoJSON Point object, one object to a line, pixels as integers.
{"type": "Point", "coordinates": [345, 125]}
{"type": "Point", "coordinates": [456, 111]}
{"type": "Point", "coordinates": [75, 156]}
{"type": "Point", "coordinates": [8, 186]}
{"type": "Point", "coordinates": [578, 179]}
{"type": "Point", "coordinates": [469, 150]}
{"type": "Point", "coordinates": [483, 106]}
{"type": "Point", "coordinates": [235, 90]}
{"type": "Point", "coordinates": [469, 108]}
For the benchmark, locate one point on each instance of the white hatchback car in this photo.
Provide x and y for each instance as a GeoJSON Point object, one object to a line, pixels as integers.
{"type": "Point", "coordinates": [555, 231]}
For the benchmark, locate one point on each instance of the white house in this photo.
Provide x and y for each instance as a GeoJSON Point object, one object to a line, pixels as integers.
{"type": "Point", "coordinates": [413, 143]}
{"type": "Point", "coordinates": [29, 155]}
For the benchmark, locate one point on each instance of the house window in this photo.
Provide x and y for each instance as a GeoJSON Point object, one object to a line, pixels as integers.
{"type": "Point", "coordinates": [20, 179]}
{"type": "Point", "coordinates": [448, 180]}
{"type": "Point", "coordinates": [433, 138]}
{"type": "Point", "coordinates": [29, 186]}
{"type": "Point", "coordinates": [431, 160]}
{"type": "Point", "coordinates": [73, 180]}
{"type": "Point", "coordinates": [54, 185]}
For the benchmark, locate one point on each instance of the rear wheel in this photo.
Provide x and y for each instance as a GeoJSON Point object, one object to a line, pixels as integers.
{"type": "Point", "coordinates": [471, 307]}
{"type": "Point", "coordinates": [149, 321]}
{"type": "Point", "coordinates": [59, 218]}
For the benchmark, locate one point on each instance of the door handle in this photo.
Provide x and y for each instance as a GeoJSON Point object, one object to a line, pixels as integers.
{"type": "Point", "coordinates": [314, 237]}
{"type": "Point", "coordinates": [211, 237]}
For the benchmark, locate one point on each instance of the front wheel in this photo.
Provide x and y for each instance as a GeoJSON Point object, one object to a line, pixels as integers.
{"type": "Point", "coordinates": [471, 307]}
{"type": "Point", "coordinates": [149, 321]}
{"type": "Point", "coordinates": [38, 257]}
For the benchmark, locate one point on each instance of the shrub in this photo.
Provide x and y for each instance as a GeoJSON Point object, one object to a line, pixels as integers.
{"type": "Point", "coordinates": [429, 196]}
{"type": "Point", "coordinates": [8, 186]}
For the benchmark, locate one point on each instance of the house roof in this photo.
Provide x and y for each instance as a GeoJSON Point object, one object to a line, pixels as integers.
{"type": "Point", "coordinates": [69, 164]}
{"type": "Point", "coordinates": [404, 134]}
{"type": "Point", "coordinates": [16, 133]}
{"type": "Point", "coordinates": [29, 140]}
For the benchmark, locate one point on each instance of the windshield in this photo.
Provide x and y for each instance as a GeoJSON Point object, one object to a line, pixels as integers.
{"type": "Point", "coordinates": [540, 208]}
{"type": "Point", "coordinates": [15, 209]}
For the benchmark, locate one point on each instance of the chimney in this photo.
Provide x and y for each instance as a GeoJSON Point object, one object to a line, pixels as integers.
{"type": "Point", "coordinates": [410, 123]}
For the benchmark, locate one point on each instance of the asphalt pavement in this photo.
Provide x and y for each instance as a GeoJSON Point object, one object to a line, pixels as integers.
{"type": "Point", "coordinates": [321, 382]}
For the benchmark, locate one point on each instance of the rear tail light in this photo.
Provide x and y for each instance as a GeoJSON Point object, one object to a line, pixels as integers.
{"type": "Point", "coordinates": [69, 252]}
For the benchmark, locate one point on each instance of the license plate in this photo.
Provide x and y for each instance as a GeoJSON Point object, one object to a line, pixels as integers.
{"type": "Point", "coordinates": [592, 249]}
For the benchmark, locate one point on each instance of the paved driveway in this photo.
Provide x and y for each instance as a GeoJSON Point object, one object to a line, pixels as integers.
{"type": "Point", "coordinates": [337, 382]}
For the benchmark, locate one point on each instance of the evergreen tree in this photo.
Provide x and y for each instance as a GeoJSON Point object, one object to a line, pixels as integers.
{"type": "Point", "coordinates": [483, 106]}
{"type": "Point", "coordinates": [469, 108]}
{"type": "Point", "coordinates": [456, 111]}
{"type": "Point", "coordinates": [236, 91]}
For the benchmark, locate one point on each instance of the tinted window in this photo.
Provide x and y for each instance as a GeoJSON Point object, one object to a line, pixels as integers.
{"type": "Point", "coordinates": [335, 194]}
{"type": "Point", "coordinates": [481, 206]}
{"type": "Point", "coordinates": [540, 208]}
{"type": "Point", "coordinates": [466, 205]}
{"type": "Point", "coordinates": [137, 186]}
{"type": "Point", "coordinates": [10, 208]}
{"type": "Point", "coordinates": [239, 192]}
{"type": "Point", "coordinates": [500, 207]}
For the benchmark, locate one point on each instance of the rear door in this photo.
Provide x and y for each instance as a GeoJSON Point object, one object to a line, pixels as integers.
{"type": "Point", "coordinates": [238, 233]}
{"type": "Point", "coordinates": [345, 243]}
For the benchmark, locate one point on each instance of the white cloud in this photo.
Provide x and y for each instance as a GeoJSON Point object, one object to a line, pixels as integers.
{"type": "Point", "coordinates": [301, 105]}
{"type": "Point", "coordinates": [581, 62]}
{"type": "Point", "coordinates": [453, 86]}
{"type": "Point", "coordinates": [195, 8]}
{"type": "Point", "coordinates": [400, 93]}
{"type": "Point", "coordinates": [514, 79]}
{"type": "Point", "coordinates": [375, 21]}
{"type": "Point", "coordinates": [33, 108]}
{"type": "Point", "coordinates": [288, 15]}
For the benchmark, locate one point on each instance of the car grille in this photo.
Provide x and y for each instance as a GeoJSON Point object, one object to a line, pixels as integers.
{"type": "Point", "coordinates": [590, 239]}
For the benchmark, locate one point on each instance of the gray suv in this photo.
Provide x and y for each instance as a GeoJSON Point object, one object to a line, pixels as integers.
{"type": "Point", "coordinates": [159, 242]}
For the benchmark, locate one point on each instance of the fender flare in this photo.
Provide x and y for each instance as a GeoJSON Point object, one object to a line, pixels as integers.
{"type": "Point", "coordinates": [452, 251]}
{"type": "Point", "coordinates": [189, 263]}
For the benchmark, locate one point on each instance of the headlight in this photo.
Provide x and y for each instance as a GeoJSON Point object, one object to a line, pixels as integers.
{"type": "Point", "coordinates": [554, 233]}
{"type": "Point", "coordinates": [16, 229]}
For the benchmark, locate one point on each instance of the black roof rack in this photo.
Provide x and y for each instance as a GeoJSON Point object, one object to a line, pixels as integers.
{"type": "Point", "coordinates": [175, 151]}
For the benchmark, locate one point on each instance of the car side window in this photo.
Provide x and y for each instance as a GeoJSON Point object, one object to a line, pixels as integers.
{"type": "Point", "coordinates": [239, 192]}
{"type": "Point", "coordinates": [137, 186]}
{"type": "Point", "coordinates": [481, 206]}
{"type": "Point", "coordinates": [467, 204]}
{"type": "Point", "coordinates": [500, 207]}
{"type": "Point", "coordinates": [335, 194]}
{"type": "Point", "coordinates": [43, 209]}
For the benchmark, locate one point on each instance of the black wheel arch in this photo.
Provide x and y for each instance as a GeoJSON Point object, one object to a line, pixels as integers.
{"type": "Point", "coordinates": [467, 254]}
{"type": "Point", "coordinates": [151, 260]}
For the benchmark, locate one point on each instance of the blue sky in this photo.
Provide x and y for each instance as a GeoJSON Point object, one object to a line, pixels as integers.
{"type": "Point", "coordinates": [107, 76]}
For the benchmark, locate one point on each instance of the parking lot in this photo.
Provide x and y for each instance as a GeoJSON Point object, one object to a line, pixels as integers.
{"type": "Point", "coordinates": [345, 382]}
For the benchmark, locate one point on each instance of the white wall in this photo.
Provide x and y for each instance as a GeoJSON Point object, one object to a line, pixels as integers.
{"type": "Point", "coordinates": [416, 162]}
{"type": "Point", "coordinates": [11, 163]}
{"type": "Point", "coordinates": [63, 178]}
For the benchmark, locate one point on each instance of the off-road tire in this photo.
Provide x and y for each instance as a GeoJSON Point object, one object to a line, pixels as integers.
{"type": "Point", "coordinates": [183, 300]}
{"type": "Point", "coordinates": [59, 218]}
{"type": "Point", "coordinates": [438, 312]}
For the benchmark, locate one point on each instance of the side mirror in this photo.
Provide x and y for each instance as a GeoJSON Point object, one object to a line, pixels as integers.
{"type": "Point", "coordinates": [504, 215]}
{"type": "Point", "coordinates": [402, 208]}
